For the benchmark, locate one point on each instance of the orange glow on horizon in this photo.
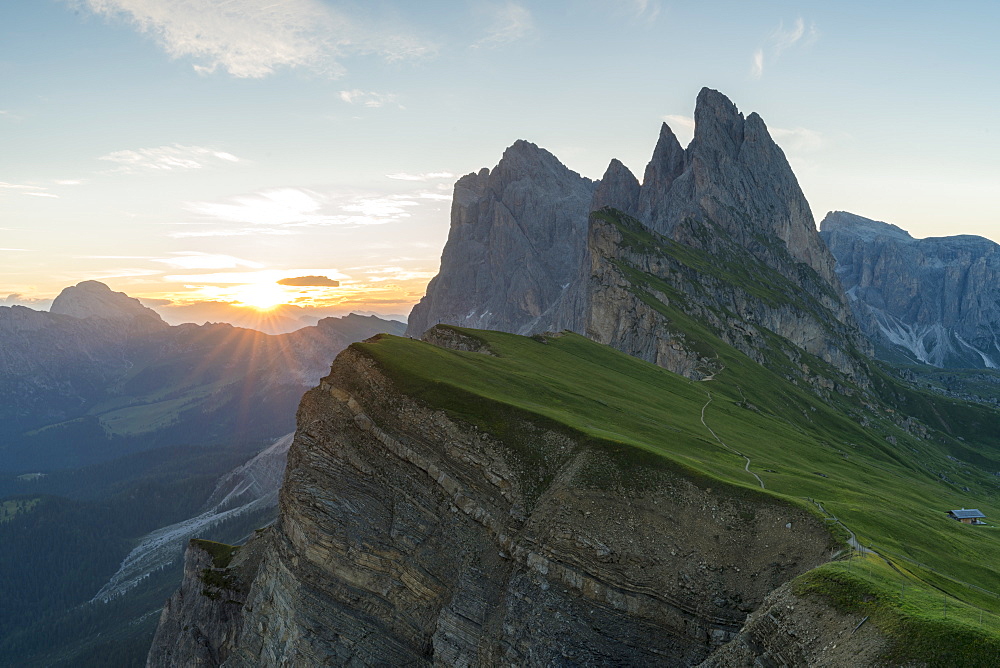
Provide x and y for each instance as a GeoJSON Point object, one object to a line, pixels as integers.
{"type": "Point", "coordinates": [261, 296]}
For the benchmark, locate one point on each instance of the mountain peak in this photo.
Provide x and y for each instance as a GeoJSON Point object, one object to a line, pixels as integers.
{"type": "Point", "coordinates": [716, 117]}
{"type": "Point", "coordinates": [618, 188]}
{"type": "Point", "coordinates": [523, 158]}
{"type": "Point", "coordinates": [93, 299]}
{"type": "Point", "coordinates": [836, 221]}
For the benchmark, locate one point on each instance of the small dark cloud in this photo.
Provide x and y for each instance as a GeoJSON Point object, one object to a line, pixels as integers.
{"type": "Point", "coordinates": [363, 300]}
{"type": "Point", "coordinates": [155, 302]}
{"type": "Point", "coordinates": [311, 281]}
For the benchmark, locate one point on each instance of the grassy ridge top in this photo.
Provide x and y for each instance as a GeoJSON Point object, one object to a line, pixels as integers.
{"type": "Point", "coordinates": [881, 481]}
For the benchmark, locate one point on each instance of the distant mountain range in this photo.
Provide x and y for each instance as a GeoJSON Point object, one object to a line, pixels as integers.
{"type": "Point", "coordinates": [100, 375]}
{"type": "Point", "coordinates": [922, 301]}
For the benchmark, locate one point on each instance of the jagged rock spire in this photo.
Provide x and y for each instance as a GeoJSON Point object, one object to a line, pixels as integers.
{"type": "Point", "coordinates": [618, 188]}
{"type": "Point", "coordinates": [666, 165]}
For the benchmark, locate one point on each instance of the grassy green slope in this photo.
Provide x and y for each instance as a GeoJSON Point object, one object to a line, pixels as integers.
{"type": "Point", "coordinates": [883, 483]}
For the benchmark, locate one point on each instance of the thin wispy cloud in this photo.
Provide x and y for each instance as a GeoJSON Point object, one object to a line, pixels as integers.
{"type": "Point", "coordinates": [243, 277]}
{"type": "Point", "coordinates": [799, 140]}
{"type": "Point", "coordinates": [780, 40]}
{"type": "Point", "coordinates": [18, 186]}
{"type": "Point", "coordinates": [283, 208]}
{"type": "Point", "coordinates": [397, 274]}
{"type": "Point", "coordinates": [26, 189]}
{"type": "Point", "coordinates": [438, 197]}
{"type": "Point", "coordinates": [427, 176]}
{"type": "Point", "coordinates": [647, 10]}
{"type": "Point", "coordinates": [757, 64]}
{"type": "Point", "coordinates": [198, 260]}
{"type": "Point", "coordinates": [167, 158]}
{"type": "Point", "coordinates": [122, 272]}
{"type": "Point", "coordinates": [231, 232]}
{"type": "Point", "coordinates": [508, 22]}
{"type": "Point", "coordinates": [369, 98]}
{"type": "Point", "coordinates": [254, 38]}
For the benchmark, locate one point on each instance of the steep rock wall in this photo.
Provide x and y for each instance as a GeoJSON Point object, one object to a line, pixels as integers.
{"type": "Point", "coordinates": [517, 240]}
{"type": "Point", "coordinates": [738, 298]}
{"type": "Point", "coordinates": [409, 538]}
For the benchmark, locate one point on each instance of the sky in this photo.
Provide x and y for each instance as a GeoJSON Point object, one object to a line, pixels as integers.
{"type": "Point", "coordinates": [196, 152]}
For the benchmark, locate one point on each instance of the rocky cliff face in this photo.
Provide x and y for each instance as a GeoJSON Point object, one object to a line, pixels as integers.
{"type": "Point", "coordinates": [790, 630]}
{"type": "Point", "coordinates": [515, 263]}
{"type": "Point", "coordinates": [735, 177]}
{"type": "Point", "coordinates": [934, 300]}
{"type": "Point", "coordinates": [517, 241]}
{"type": "Point", "coordinates": [411, 538]}
{"type": "Point", "coordinates": [199, 623]}
{"type": "Point", "coordinates": [642, 285]}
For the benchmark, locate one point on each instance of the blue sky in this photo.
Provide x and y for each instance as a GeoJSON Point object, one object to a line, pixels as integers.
{"type": "Point", "coordinates": [192, 150]}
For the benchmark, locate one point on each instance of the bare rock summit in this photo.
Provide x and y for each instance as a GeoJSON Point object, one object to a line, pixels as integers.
{"type": "Point", "coordinates": [93, 299]}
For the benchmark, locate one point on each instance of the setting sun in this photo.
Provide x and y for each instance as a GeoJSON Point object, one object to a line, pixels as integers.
{"type": "Point", "coordinates": [261, 296]}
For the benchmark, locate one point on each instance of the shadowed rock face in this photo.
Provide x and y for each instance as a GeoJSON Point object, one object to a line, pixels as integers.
{"type": "Point", "coordinates": [934, 300]}
{"type": "Point", "coordinates": [728, 290]}
{"type": "Point", "coordinates": [619, 189]}
{"type": "Point", "coordinates": [517, 241]}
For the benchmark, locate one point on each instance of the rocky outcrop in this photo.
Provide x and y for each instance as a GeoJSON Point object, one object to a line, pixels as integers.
{"type": "Point", "coordinates": [664, 167]}
{"type": "Point", "coordinates": [790, 630]}
{"type": "Point", "coordinates": [408, 537]}
{"type": "Point", "coordinates": [517, 241]}
{"type": "Point", "coordinates": [93, 299]}
{"type": "Point", "coordinates": [737, 178]}
{"type": "Point", "coordinates": [198, 623]}
{"type": "Point", "coordinates": [934, 300]}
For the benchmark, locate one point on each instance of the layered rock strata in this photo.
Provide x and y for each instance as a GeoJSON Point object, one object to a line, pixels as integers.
{"type": "Point", "coordinates": [199, 622]}
{"type": "Point", "coordinates": [410, 538]}
{"type": "Point", "coordinates": [790, 630]}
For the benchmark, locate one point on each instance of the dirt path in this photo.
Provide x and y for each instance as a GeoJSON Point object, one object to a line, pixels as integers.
{"type": "Point", "coordinates": [723, 443]}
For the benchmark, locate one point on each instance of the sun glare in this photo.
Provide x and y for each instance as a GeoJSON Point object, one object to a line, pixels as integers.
{"type": "Point", "coordinates": [261, 296]}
